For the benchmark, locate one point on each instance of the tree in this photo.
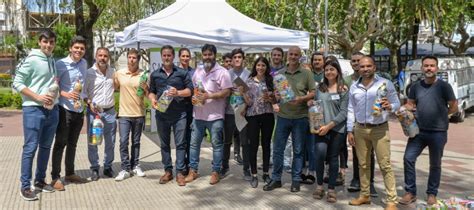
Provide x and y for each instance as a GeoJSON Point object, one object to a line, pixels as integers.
{"type": "Point", "coordinates": [396, 29]}
{"type": "Point", "coordinates": [64, 35]}
{"type": "Point", "coordinates": [453, 17]}
{"type": "Point", "coordinates": [84, 24]}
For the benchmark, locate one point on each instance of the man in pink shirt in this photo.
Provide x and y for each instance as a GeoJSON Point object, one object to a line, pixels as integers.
{"type": "Point", "coordinates": [214, 82]}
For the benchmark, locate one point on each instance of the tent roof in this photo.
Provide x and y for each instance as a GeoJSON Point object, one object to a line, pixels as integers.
{"type": "Point", "coordinates": [424, 49]}
{"type": "Point", "coordinates": [192, 23]}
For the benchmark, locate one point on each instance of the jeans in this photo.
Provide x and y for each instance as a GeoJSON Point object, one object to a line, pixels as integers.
{"type": "Point", "coordinates": [164, 124]}
{"type": "Point", "coordinates": [298, 128]}
{"type": "Point", "coordinates": [288, 153]}
{"type": "Point", "coordinates": [231, 136]}
{"type": "Point", "coordinates": [187, 137]}
{"type": "Point", "coordinates": [435, 140]}
{"type": "Point", "coordinates": [216, 128]}
{"type": "Point", "coordinates": [39, 127]}
{"type": "Point", "coordinates": [67, 135]}
{"type": "Point", "coordinates": [328, 148]}
{"type": "Point", "coordinates": [260, 129]}
{"type": "Point", "coordinates": [309, 151]}
{"type": "Point", "coordinates": [135, 126]}
{"type": "Point", "coordinates": [110, 128]}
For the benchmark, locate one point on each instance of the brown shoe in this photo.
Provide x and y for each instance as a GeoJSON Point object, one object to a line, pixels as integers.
{"type": "Point", "coordinates": [192, 175]}
{"type": "Point", "coordinates": [58, 185]}
{"type": "Point", "coordinates": [391, 206]}
{"type": "Point", "coordinates": [168, 176]}
{"type": "Point", "coordinates": [431, 200]}
{"type": "Point", "coordinates": [360, 200]}
{"type": "Point", "coordinates": [407, 199]}
{"type": "Point", "coordinates": [180, 179]}
{"type": "Point", "coordinates": [214, 178]}
{"type": "Point", "coordinates": [75, 179]}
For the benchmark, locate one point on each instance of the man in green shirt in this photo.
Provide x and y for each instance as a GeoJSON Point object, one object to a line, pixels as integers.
{"type": "Point", "coordinates": [292, 118]}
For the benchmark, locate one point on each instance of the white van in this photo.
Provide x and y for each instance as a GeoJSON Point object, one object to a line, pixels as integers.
{"type": "Point", "coordinates": [459, 72]}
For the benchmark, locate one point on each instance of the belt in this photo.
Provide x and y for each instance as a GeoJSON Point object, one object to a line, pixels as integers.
{"type": "Point", "coordinates": [368, 125]}
{"type": "Point", "coordinates": [107, 109]}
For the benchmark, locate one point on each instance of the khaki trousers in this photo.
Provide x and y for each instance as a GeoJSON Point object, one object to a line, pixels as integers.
{"type": "Point", "coordinates": [378, 138]}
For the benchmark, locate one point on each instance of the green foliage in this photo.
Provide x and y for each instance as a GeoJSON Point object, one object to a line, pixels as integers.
{"type": "Point", "coordinates": [64, 34]}
{"type": "Point", "coordinates": [10, 100]}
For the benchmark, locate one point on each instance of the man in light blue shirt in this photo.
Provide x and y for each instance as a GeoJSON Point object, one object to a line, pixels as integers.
{"type": "Point", "coordinates": [71, 73]}
{"type": "Point", "coordinates": [368, 129]}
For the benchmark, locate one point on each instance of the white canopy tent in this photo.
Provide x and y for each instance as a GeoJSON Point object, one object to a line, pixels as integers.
{"type": "Point", "coordinates": [192, 23]}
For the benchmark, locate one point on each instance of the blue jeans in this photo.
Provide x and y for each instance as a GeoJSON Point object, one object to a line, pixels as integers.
{"type": "Point", "coordinates": [164, 124]}
{"type": "Point", "coordinates": [110, 128]}
{"type": "Point", "coordinates": [39, 127]}
{"type": "Point", "coordinates": [216, 128]}
{"type": "Point", "coordinates": [299, 129]}
{"type": "Point", "coordinates": [435, 140]}
{"type": "Point", "coordinates": [328, 148]}
{"type": "Point", "coordinates": [129, 125]}
{"type": "Point", "coordinates": [309, 146]}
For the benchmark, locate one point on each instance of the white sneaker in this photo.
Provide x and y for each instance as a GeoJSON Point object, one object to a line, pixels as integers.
{"type": "Point", "coordinates": [138, 171]}
{"type": "Point", "coordinates": [122, 175]}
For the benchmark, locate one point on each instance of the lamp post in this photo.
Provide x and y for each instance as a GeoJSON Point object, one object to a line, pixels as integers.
{"type": "Point", "coordinates": [326, 49]}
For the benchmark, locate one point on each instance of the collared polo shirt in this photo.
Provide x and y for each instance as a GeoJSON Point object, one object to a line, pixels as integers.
{"type": "Point", "coordinates": [213, 81]}
{"type": "Point", "coordinates": [179, 79]}
{"type": "Point", "coordinates": [301, 82]}
{"type": "Point", "coordinates": [130, 105]}
{"type": "Point", "coordinates": [69, 72]}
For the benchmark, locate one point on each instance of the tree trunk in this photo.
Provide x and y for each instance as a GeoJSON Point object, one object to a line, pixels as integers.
{"type": "Point", "coordinates": [393, 60]}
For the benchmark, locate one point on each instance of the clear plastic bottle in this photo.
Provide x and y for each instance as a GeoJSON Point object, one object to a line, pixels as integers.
{"type": "Point", "coordinates": [53, 91]}
{"type": "Point", "coordinates": [97, 131]}
{"type": "Point", "coordinates": [381, 93]}
{"type": "Point", "coordinates": [316, 116]}
{"type": "Point", "coordinates": [78, 89]}
{"type": "Point", "coordinates": [198, 90]}
{"type": "Point", "coordinates": [408, 122]}
{"type": "Point", "coordinates": [164, 101]}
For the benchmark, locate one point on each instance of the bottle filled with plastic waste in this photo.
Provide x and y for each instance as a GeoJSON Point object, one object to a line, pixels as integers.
{"type": "Point", "coordinates": [97, 131]}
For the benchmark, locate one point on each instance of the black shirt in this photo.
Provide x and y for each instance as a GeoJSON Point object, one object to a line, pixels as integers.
{"type": "Point", "coordinates": [432, 104]}
{"type": "Point", "coordinates": [179, 79]}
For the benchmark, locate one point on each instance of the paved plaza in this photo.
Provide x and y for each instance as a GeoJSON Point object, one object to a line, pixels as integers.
{"type": "Point", "coordinates": [232, 192]}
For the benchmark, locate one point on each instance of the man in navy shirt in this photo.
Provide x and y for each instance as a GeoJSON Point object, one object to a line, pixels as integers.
{"type": "Point", "coordinates": [179, 85]}
{"type": "Point", "coordinates": [434, 101]}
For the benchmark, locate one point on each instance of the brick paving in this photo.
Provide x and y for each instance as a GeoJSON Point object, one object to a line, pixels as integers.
{"type": "Point", "coordinates": [232, 192]}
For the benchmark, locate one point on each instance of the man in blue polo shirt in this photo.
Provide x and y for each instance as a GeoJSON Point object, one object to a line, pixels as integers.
{"type": "Point", "coordinates": [179, 85]}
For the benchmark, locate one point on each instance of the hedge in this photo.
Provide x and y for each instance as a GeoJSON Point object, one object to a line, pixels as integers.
{"type": "Point", "coordinates": [10, 100]}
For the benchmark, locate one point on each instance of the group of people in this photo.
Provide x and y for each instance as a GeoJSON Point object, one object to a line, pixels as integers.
{"type": "Point", "coordinates": [233, 105]}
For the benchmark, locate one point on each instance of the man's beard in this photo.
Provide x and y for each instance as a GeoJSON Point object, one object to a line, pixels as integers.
{"type": "Point", "coordinates": [208, 65]}
{"type": "Point", "coordinates": [430, 74]}
{"type": "Point", "coordinates": [102, 64]}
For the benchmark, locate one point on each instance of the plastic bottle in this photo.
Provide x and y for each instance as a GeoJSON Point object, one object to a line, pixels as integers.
{"type": "Point", "coordinates": [408, 122]}
{"type": "Point", "coordinates": [316, 116]}
{"type": "Point", "coordinates": [164, 101]}
{"type": "Point", "coordinates": [78, 89]}
{"type": "Point", "coordinates": [97, 131]}
{"type": "Point", "coordinates": [283, 87]}
{"type": "Point", "coordinates": [143, 79]}
{"type": "Point", "coordinates": [198, 90]}
{"type": "Point", "coordinates": [53, 91]}
{"type": "Point", "coordinates": [381, 93]}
